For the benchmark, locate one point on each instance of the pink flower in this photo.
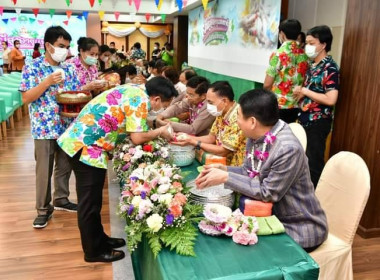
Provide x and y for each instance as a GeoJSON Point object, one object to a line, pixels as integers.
{"type": "Point", "coordinates": [94, 151]}
{"type": "Point", "coordinates": [108, 123]}
{"type": "Point", "coordinates": [261, 155]}
{"type": "Point", "coordinates": [269, 138]}
{"type": "Point", "coordinates": [244, 238]}
{"type": "Point", "coordinates": [253, 173]}
{"type": "Point", "coordinates": [180, 198]}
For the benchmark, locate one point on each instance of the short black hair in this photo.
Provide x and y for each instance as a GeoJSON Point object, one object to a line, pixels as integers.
{"type": "Point", "coordinates": [5, 42]}
{"type": "Point", "coordinates": [159, 86]}
{"type": "Point", "coordinates": [36, 46]}
{"type": "Point", "coordinates": [131, 69]}
{"type": "Point", "coordinates": [103, 49]}
{"type": "Point", "coordinates": [137, 45]}
{"type": "Point", "coordinates": [189, 73]}
{"type": "Point", "coordinates": [261, 104]}
{"type": "Point", "coordinates": [16, 41]}
{"type": "Point", "coordinates": [159, 65]}
{"type": "Point", "coordinates": [323, 34]}
{"type": "Point", "coordinates": [152, 63]}
{"type": "Point", "coordinates": [291, 28]}
{"type": "Point", "coordinates": [86, 43]}
{"type": "Point", "coordinates": [53, 33]}
{"type": "Point", "coordinates": [112, 43]}
{"type": "Point", "coordinates": [201, 84]}
{"type": "Point", "coordinates": [223, 89]}
{"type": "Point", "coordinates": [112, 50]}
{"type": "Point", "coordinates": [303, 37]}
{"type": "Point", "coordinates": [121, 56]}
{"type": "Point", "coordinates": [157, 43]}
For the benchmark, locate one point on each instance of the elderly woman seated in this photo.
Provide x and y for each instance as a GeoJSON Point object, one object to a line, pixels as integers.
{"type": "Point", "coordinates": [200, 121]}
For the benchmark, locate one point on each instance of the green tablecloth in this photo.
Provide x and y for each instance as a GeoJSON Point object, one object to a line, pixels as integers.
{"type": "Point", "coordinates": [273, 257]}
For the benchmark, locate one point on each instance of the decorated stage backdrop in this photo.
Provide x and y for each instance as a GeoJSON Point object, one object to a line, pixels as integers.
{"type": "Point", "coordinates": [30, 30]}
{"type": "Point", "coordinates": [234, 38]}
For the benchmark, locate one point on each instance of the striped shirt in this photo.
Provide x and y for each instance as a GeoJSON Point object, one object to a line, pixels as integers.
{"type": "Point", "coordinates": [285, 181]}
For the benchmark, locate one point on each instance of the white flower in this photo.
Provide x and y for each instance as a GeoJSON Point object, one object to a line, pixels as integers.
{"type": "Point", "coordinates": [217, 213]}
{"type": "Point", "coordinates": [164, 152]}
{"type": "Point", "coordinates": [145, 206]}
{"type": "Point", "coordinates": [164, 180]}
{"type": "Point", "coordinates": [163, 188]}
{"type": "Point", "coordinates": [125, 147]}
{"type": "Point", "coordinates": [121, 155]}
{"type": "Point", "coordinates": [177, 177]}
{"type": "Point", "coordinates": [136, 201]}
{"type": "Point", "coordinates": [138, 154]}
{"type": "Point", "coordinates": [154, 197]}
{"type": "Point", "coordinates": [166, 198]}
{"type": "Point", "coordinates": [155, 222]}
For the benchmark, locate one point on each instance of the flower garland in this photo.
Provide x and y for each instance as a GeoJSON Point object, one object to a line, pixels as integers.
{"type": "Point", "coordinates": [262, 155]}
{"type": "Point", "coordinates": [194, 114]}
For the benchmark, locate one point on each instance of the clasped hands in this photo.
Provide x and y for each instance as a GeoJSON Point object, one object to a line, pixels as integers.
{"type": "Point", "coordinates": [211, 175]}
{"type": "Point", "coordinates": [299, 92]}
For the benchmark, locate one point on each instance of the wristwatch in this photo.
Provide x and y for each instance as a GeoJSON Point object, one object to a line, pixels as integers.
{"type": "Point", "coordinates": [198, 146]}
{"type": "Point", "coordinates": [154, 124]}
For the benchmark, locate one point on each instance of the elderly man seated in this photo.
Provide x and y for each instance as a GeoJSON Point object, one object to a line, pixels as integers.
{"type": "Point", "coordinates": [200, 119]}
{"type": "Point", "coordinates": [225, 138]}
{"type": "Point", "coordinates": [275, 170]}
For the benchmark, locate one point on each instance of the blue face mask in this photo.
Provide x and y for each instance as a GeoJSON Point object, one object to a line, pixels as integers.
{"type": "Point", "coordinates": [90, 60]}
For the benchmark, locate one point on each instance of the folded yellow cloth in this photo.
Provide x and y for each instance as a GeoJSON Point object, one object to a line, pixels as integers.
{"type": "Point", "coordinates": [269, 225]}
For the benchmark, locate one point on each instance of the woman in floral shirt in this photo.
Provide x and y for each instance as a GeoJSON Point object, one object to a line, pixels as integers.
{"type": "Point", "coordinates": [86, 64]}
{"type": "Point", "coordinates": [318, 96]}
{"type": "Point", "coordinates": [103, 123]}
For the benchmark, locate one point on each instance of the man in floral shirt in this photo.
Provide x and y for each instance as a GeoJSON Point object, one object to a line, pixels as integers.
{"type": "Point", "coordinates": [138, 53]}
{"type": "Point", "coordinates": [287, 69]}
{"type": "Point", "coordinates": [103, 123]}
{"type": "Point", "coordinates": [39, 85]}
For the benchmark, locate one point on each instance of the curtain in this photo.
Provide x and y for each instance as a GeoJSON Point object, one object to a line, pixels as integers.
{"type": "Point", "coordinates": [152, 34]}
{"type": "Point", "coordinates": [121, 33]}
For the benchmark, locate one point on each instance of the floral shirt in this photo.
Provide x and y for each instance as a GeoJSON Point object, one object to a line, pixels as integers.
{"type": "Point", "coordinates": [104, 122]}
{"type": "Point", "coordinates": [229, 135]}
{"type": "Point", "coordinates": [138, 54]}
{"type": "Point", "coordinates": [85, 75]}
{"type": "Point", "coordinates": [288, 66]}
{"type": "Point", "coordinates": [320, 78]}
{"type": "Point", "coordinates": [46, 122]}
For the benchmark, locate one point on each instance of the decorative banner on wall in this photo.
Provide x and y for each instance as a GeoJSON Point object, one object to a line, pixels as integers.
{"type": "Point", "coordinates": [147, 17]}
{"type": "Point", "coordinates": [18, 11]}
{"type": "Point", "coordinates": [137, 4]}
{"type": "Point", "coordinates": [68, 14]}
{"type": "Point", "coordinates": [130, 2]}
{"type": "Point", "coordinates": [85, 14]}
{"type": "Point", "coordinates": [1, 11]}
{"type": "Point", "coordinates": [35, 12]}
{"type": "Point", "coordinates": [245, 30]}
{"type": "Point", "coordinates": [51, 12]}
{"type": "Point", "coordinates": [179, 4]}
{"type": "Point", "coordinates": [117, 14]}
{"type": "Point", "coordinates": [204, 3]}
{"type": "Point", "coordinates": [101, 15]}
{"type": "Point", "coordinates": [14, 2]}
{"type": "Point", "coordinates": [184, 3]}
{"type": "Point", "coordinates": [163, 18]}
{"type": "Point", "coordinates": [92, 3]}
{"type": "Point", "coordinates": [29, 31]}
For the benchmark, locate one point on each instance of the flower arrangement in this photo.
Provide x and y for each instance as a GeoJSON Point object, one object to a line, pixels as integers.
{"type": "Point", "coordinates": [154, 203]}
{"type": "Point", "coordinates": [128, 157]}
{"type": "Point", "coordinates": [219, 219]}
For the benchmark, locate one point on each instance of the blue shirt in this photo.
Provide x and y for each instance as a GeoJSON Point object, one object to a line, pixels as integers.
{"type": "Point", "coordinates": [46, 122]}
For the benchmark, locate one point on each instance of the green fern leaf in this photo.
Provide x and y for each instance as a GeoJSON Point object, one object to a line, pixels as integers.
{"type": "Point", "coordinates": [154, 243]}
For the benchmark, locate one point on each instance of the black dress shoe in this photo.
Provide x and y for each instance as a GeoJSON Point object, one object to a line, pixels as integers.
{"type": "Point", "coordinates": [115, 242]}
{"type": "Point", "coordinates": [110, 256]}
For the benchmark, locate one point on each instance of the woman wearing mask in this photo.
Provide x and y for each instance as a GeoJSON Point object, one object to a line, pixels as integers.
{"type": "Point", "coordinates": [6, 53]}
{"type": "Point", "coordinates": [104, 58]}
{"type": "Point", "coordinates": [85, 65]}
{"type": "Point", "coordinates": [17, 57]}
{"type": "Point", "coordinates": [318, 96]}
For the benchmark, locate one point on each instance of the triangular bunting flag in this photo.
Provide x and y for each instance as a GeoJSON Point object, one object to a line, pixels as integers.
{"type": "Point", "coordinates": [35, 12]}
{"type": "Point", "coordinates": [157, 1]}
{"type": "Point", "coordinates": [179, 3]}
{"type": "Point", "coordinates": [159, 4]}
{"type": "Point", "coordinates": [32, 20]}
{"type": "Point", "coordinates": [18, 11]}
{"type": "Point", "coordinates": [66, 22]}
{"type": "Point", "coordinates": [205, 2]}
{"type": "Point", "coordinates": [100, 2]}
{"type": "Point", "coordinates": [1, 11]}
{"type": "Point", "coordinates": [69, 13]}
{"type": "Point", "coordinates": [41, 22]}
{"type": "Point", "coordinates": [5, 20]}
{"type": "Point", "coordinates": [80, 17]}
{"type": "Point", "coordinates": [51, 12]}
{"type": "Point", "coordinates": [130, 2]}
{"type": "Point", "coordinates": [137, 4]}
{"type": "Point", "coordinates": [101, 15]}
{"type": "Point", "coordinates": [163, 18]}
{"type": "Point", "coordinates": [13, 19]}
{"type": "Point", "coordinates": [14, 2]}
{"type": "Point", "coordinates": [147, 17]}
{"type": "Point", "coordinates": [184, 3]}
{"type": "Point", "coordinates": [92, 3]}
{"type": "Point", "coordinates": [68, 2]}
{"type": "Point", "coordinates": [117, 14]}
{"type": "Point", "coordinates": [85, 14]}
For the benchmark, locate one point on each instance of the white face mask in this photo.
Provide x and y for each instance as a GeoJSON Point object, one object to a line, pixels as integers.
{"type": "Point", "coordinates": [213, 110]}
{"type": "Point", "coordinates": [105, 59]}
{"type": "Point", "coordinates": [59, 54]}
{"type": "Point", "coordinates": [310, 51]}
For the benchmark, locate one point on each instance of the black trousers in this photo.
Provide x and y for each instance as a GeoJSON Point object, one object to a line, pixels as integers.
{"type": "Point", "coordinates": [316, 143]}
{"type": "Point", "coordinates": [289, 115]}
{"type": "Point", "coordinates": [89, 187]}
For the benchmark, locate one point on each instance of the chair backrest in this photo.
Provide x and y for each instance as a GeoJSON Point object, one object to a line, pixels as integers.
{"type": "Point", "coordinates": [300, 133]}
{"type": "Point", "coordinates": [343, 191]}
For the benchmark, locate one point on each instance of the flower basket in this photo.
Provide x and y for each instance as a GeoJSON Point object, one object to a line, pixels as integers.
{"type": "Point", "coordinates": [72, 102]}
